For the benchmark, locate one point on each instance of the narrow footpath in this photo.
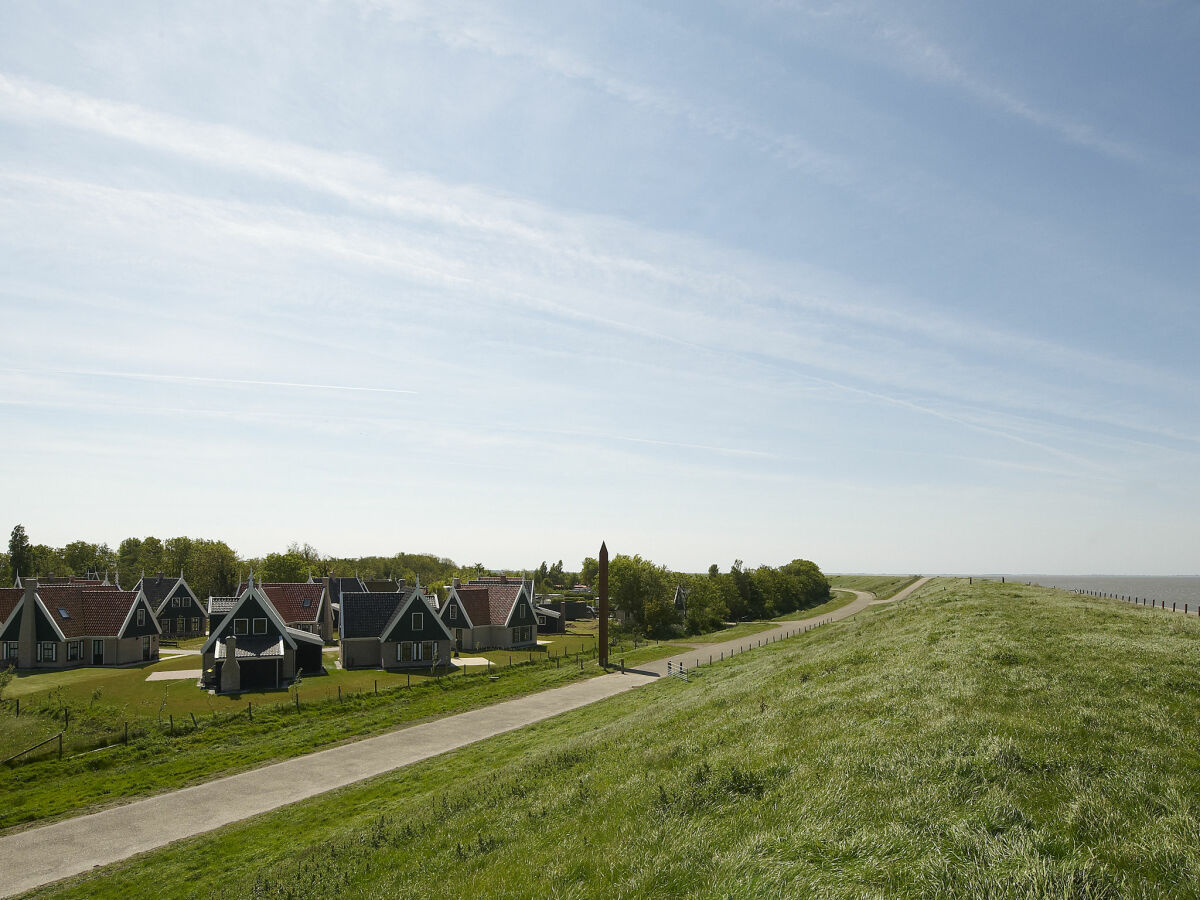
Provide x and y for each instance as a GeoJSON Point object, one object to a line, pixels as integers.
{"type": "Point", "coordinates": [39, 856]}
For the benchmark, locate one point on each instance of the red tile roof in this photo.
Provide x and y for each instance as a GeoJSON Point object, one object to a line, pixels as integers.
{"type": "Point", "coordinates": [98, 611]}
{"type": "Point", "coordinates": [490, 601]}
{"type": "Point", "coordinates": [288, 599]}
{"type": "Point", "coordinates": [9, 598]}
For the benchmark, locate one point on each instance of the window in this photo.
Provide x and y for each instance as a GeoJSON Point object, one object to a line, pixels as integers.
{"type": "Point", "coordinates": [74, 650]}
{"type": "Point", "coordinates": [427, 650]}
{"type": "Point", "coordinates": [141, 618]}
{"type": "Point", "coordinates": [63, 613]}
{"type": "Point", "coordinates": [166, 626]}
{"type": "Point", "coordinates": [239, 626]}
{"type": "Point", "coordinates": [542, 621]}
{"type": "Point", "coordinates": [11, 649]}
{"type": "Point", "coordinates": [180, 624]}
{"type": "Point", "coordinates": [195, 623]}
{"type": "Point", "coordinates": [453, 611]}
{"type": "Point", "coordinates": [418, 621]}
{"type": "Point", "coordinates": [404, 651]}
{"type": "Point", "coordinates": [260, 626]}
{"type": "Point", "coordinates": [47, 651]}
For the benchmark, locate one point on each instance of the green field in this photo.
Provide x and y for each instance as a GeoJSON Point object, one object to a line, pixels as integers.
{"type": "Point", "coordinates": [984, 741]}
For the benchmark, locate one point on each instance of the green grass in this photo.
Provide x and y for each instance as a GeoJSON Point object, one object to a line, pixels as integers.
{"type": "Point", "coordinates": [882, 586]}
{"type": "Point", "coordinates": [986, 741]}
{"type": "Point", "coordinates": [844, 598]}
{"type": "Point", "coordinates": [728, 634]}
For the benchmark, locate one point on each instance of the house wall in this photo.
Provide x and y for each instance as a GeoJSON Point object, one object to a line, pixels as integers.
{"type": "Point", "coordinates": [391, 660]}
{"type": "Point", "coordinates": [360, 653]}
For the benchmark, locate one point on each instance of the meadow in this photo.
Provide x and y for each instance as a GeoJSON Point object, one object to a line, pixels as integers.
{"type": "Point", "coordinates": [986, 740]}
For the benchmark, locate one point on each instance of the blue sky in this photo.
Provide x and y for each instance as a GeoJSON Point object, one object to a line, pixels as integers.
{"type": "Point", "coordinates": [894, 289]}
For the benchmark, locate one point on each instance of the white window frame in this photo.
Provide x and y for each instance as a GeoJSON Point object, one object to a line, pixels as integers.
{"type": "Point", "coordinates": [241, 627]}
{"type": "Point", "coordinates": [453, 612]}
{"type": "Point", "coordinates": [404, 651]}
{"type": "Point", "coordinates": [418, 622]}
{"type": "Point", "coordinates": [195, 623]}
{"type": "Point", "coordinates": [141, 616]}
{"type": "Point", "coordinates": [11, 649]}
{"type": "Point", "coordinates": [47, 651]}
{"type": "Point", "coordinates": [74, 651]}
{"type": "Point", "coordinates": [263, 630]}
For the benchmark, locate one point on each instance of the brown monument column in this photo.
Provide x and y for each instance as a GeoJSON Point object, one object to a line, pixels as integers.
{"type": "Point", "coordinates": [603, 649]}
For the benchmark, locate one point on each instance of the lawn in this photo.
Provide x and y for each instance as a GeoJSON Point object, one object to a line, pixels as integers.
{"type": "Point", "coordinates": [992, 740]}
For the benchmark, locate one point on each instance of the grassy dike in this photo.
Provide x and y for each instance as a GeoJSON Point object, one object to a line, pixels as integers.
{"type": "Point", "coordinates": [993, 740]}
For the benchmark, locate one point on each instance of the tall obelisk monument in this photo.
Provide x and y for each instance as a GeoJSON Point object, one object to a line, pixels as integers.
{"type": "Point", "coordinates": [603, 649]}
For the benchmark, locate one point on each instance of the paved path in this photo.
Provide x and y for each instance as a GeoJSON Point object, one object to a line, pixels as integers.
{"type": "Point", "coordinates": [42, 855]}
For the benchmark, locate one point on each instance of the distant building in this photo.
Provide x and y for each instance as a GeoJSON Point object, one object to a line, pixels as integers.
{"type": "Point", "coordinates": [491, 613]}
{"type": "Point", "coordinates": [252, 647]}
{"type": "Point", "coordinates": [63, 625]}
{"type": "Point", "coordinates": [305, 606]}
{"type": "Point", "coordinates": [392, 630]}
{"type": "Point", "coordinates": [177, 608]}
{"type": "Point", "coordinates": [551, 618]}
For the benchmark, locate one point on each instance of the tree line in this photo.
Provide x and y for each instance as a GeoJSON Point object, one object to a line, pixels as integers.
{"type": "Point", "coordinates": [641, 590]}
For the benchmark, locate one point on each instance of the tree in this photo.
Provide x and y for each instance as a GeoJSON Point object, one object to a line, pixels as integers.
{"type": "Point", "coordinates": [151, 558]}
{"type": "Point", "coordinates": [706, 609]}
{"type": "Point", "coordinates": [288, 566]}
{"type": "Point", "coordinates": [632, 582]}
{"type": "Point", "coordinates": [20, 553]}
{"type": "Point", "coordinates": [589, 570]}
{"type": "Point", "coordinates": [129, 558]}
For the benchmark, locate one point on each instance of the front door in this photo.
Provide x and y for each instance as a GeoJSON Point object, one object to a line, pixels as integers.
{"type": "Point", "coordinates": [457, 638]}
{"type": "Point", "coordinates": [145, 647]}
{"type": "Point", "coordinates": [97, 653]}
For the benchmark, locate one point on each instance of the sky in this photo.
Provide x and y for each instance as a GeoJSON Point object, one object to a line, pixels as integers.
{"type": "Point", "coordinates": [893, 287]}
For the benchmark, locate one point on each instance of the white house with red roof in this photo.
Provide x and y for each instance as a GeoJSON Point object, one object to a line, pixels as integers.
{"type": "Point", "coordinates": [491, 613]}
{"type": "Point", "coordinates": [60, 626]}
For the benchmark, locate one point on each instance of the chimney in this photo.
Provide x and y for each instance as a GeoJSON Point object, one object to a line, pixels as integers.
{"type": "Point", "coordinates": [231, 673]}
{"type": "Point", "coordinates": [504, 579]}
{"type": "Point", "coordinates": [455, 582]}
{"type": "Point", "coordinates": [27, 636]}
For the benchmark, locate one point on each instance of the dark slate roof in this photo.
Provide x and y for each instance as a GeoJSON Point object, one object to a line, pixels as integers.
{"type": "Point", "coordinates": [364, 615]}
{"type": "Point", "coordinates": [157, 587]}
{"type": "Point", "coordinates": [380, 585]}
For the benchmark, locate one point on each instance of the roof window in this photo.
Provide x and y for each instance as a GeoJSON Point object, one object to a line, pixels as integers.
{"type": "Point", "coordinates": [62, 612]}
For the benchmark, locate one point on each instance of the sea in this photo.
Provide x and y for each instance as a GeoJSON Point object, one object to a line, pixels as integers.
{"type": "Point", "coordinates": [1166, 588]}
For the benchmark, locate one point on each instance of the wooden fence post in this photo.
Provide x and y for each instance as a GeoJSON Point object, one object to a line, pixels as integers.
{"type": "Point", "coordinates": [250, 709]}
{"type": "Point", "coordinates": [172, 718]}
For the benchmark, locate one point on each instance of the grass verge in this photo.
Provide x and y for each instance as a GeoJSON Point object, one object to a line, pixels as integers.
{"type": "Point", "coordinates": [993, 740]}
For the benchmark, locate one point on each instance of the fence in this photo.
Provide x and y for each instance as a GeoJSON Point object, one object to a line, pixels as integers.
{"type": "Point", "coordinates": [1137, 601]}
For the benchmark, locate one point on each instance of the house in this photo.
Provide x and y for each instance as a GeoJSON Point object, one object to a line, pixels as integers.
{"type": "Point", "coordinates": [176, 606]}
{"type": "Point", "coordinates": [551, 618]}
{"type": "Point", "coordinates": [252, 647]}
{"type": "Point", "coordinates": [60, 626]}
{"type": "Point", "coordinates": [491, 613]}
{"type": "Point", "coordinates": [680, 598]}
{"type": "Point", "coordinates": [382, 585]}
{"type": "Point", "coordinates": [304, 606]}
{"type": "Point", "coordinates": [392, 630]}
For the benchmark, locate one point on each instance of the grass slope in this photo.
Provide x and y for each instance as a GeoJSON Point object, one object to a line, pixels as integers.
{"type": "Point", "coordinates": [993, 740]}
{"type": "Point", "coordinates": [155, 760]}
{"type": "Point", "coordinates": [882, 586]}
